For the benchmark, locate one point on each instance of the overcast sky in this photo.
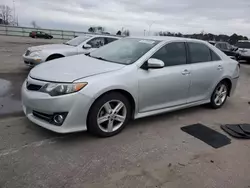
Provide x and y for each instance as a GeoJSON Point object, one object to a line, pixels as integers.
{"type": "Point", "coordinates": [186, 16]}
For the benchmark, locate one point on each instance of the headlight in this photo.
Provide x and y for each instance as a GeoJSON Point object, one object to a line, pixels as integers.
{"type": "Point", "coordinates": [34, 54]}
{"type": "Point", "coordinates": [55, 89]}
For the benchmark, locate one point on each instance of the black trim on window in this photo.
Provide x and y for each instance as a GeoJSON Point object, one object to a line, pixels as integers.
{"type": "Point", "coordinates": [187, 53]}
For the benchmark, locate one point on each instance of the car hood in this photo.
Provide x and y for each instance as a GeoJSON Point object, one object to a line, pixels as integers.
{"type": "Point", "coordinates": [244, 51]}
{"type": "Point", "coordinates": [69, 69]}
{"type": "Point", "coordinates": [50, 47]}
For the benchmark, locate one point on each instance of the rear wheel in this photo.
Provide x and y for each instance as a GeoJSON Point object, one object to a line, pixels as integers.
{"type": "Point", "coordinates": [219, 95]}
{"type": "Point", "coordinates": [109, 115]}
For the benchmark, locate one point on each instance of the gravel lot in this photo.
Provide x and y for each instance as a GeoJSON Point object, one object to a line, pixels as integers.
{"type": "Point", "coordinates": [150, 152]}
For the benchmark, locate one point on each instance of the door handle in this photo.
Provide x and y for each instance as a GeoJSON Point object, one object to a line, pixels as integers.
{"type": "Point", "coordinates": [219, 67]}
{"type": "Point", "coordinates": [185, 72]}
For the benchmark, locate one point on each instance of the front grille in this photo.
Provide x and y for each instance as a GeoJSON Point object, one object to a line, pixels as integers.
{"type": "Point", "coordinates": [27, 53]}
{"type": "Point", "coordinates": [33, 87]}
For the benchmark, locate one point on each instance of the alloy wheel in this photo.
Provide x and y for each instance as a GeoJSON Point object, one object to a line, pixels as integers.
{"type": "Point", "coordinates": [111, 116]}
{"type": "Point", "coordinates": [220, 95]}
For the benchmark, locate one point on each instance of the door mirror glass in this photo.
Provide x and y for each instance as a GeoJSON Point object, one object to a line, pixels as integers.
{"type": "Point", "coordinates": [87, 46]}
{"type": "Point", "coordinates": [155, 63]}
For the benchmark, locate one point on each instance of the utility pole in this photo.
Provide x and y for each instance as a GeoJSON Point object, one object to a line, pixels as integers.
{"type": "Point", "coordinates": [14, 10]}
{"type": "Point", "coordinates": [149, 27]}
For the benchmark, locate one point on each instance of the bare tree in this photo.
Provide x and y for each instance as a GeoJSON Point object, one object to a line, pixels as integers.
{"type": "Point", "coordinates": [92, 29]}
{"type": "Point", "coordinates": [126, 32]}
{"type": "Point", "coordinates": [6, 15]}
{"type": "Point", "coordinates": [100, 29]}
{"type": "Point", "coordinates": [96, 29]}
{"type": "Point", "coordinates": [33, 23]}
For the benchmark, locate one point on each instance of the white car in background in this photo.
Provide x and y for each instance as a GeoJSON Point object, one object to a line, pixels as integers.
{"type": "Point", "coordinates": [243, 50]}
{"type": "Point", "coordinates": [79, 45]}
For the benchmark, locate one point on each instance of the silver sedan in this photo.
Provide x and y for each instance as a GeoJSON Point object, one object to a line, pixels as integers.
{"type": "Point", "coordinates": [79, 45]}
{"type": "Point", "coordinates": [128, 79]}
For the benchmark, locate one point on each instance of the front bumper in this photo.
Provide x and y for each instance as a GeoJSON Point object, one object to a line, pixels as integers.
{"type": "Point", "coordinates": [32, 61]}
{"type": "Point", "coordinates": [76, 106]}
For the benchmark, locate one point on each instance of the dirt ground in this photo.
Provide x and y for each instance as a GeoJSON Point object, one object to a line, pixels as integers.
{"type": "Point", "coordinates": [150, 152]}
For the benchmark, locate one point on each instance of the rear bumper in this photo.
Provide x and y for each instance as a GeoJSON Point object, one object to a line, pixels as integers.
{"type": "Point", "coordinates": [234, 85]}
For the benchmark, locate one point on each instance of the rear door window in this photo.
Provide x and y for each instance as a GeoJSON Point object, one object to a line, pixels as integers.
{"type": "Point", "coordinates": [199, 52]}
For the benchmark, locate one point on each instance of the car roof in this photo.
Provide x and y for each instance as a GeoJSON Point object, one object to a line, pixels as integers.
{"type": "Point", "coordinates": [168, 38]}
{"type": "Point", "coordinates": [97, 35]}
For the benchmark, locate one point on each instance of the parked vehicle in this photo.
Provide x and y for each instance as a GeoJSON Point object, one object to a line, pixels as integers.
{"type": "Point", "coordinates": [78, 45]}
{"type": "Point", "coordinates": [228, 49]}
{"type": "Point", "coordinates": [40, 34]}
{"type": "Point", "coordinates": [244, 50]}
{"type": "Point", "coordinates": [128, 79]}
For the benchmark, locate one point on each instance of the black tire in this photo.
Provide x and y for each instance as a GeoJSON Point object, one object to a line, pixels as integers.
{"type": "Point", "coordinates": [92, 124]}
{"type": "Point", "coordinates": [52, 57]}
{"type": "Point", "coordinates": [213, 97]}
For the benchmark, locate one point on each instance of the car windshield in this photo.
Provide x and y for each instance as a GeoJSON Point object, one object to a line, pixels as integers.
{"type": "Point", "coordinates": [124, 51]}
{"type": "Point", "coordinates": [243, 45]}
{"type": "Point", "coordinates": [76, 41]}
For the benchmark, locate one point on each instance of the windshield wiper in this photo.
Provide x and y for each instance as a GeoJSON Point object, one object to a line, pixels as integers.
{"type": "Point", "coordinates": [66, 43]}
{"type": "Point", "coordinates": [100, 58]}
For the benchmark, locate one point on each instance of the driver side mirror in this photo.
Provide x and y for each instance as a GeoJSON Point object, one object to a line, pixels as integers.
{"type": "Point", "coordinates": [153, 63]}
{"type": "Point", "coordinates": [87, 46]}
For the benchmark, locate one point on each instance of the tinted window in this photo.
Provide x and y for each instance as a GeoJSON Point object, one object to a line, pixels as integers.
{"type": "Point", "coordinates": [228, 46]}
{"type": "Point", "coordinates": [214, 56]}
{"type": "Point", "coordinates": [109, 40]}
{"type": "Point", "coordinates": [199, 53]}
{"type": "Point", "coordinates": [243, 45]}
{"type": "Point", "coordinates": [172, 54]}
{"type": "Point", "coordinates": [96, 42]}
{"type": "Point", "coordinates": [124, 51]}
{"type": "Point", "coordinates": [224, 46]}
{"type": "Point", "coordinates": [218, 45]}
{"type": "Point", "coordinates": [77, 40]}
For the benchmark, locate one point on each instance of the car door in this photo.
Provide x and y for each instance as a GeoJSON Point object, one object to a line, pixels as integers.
{"type": "Point", "coordinates": [168, 86]}
{"type": "Point", "coordinates": [39, 34]}
{"type": "Point", "coordinates": [206, 71]}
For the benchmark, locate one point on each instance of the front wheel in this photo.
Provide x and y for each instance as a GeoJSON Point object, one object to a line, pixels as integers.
{"type": "Point", "coordinates": [109, 115]}
{"type": "Point", "coordinates": [219, 95]}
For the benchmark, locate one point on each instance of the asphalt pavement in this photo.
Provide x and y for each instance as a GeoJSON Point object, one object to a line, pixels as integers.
{"type": "Point", "coordinates": [150, 152]}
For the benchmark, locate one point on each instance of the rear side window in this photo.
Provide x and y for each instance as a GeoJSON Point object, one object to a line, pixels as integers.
{"type": "Point", "coordinates": [172, 54]}
{"type": "Point", "coordinates": [199, 52]}
{"type": "Point", "coordinates": [214, 56]}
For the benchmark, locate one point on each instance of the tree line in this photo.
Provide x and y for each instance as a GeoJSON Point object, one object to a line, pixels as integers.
{"type": "Point", "coordinates": [232, 39]}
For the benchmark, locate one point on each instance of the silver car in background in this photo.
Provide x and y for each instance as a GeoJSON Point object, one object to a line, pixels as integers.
{"type": "Point", "coordinates": [128, 79]}
{"type": "Point", "coordinates": [79, 45]}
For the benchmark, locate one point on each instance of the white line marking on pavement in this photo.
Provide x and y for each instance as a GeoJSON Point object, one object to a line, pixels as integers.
{"type": "Point", "coordinates": [33, 144]}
